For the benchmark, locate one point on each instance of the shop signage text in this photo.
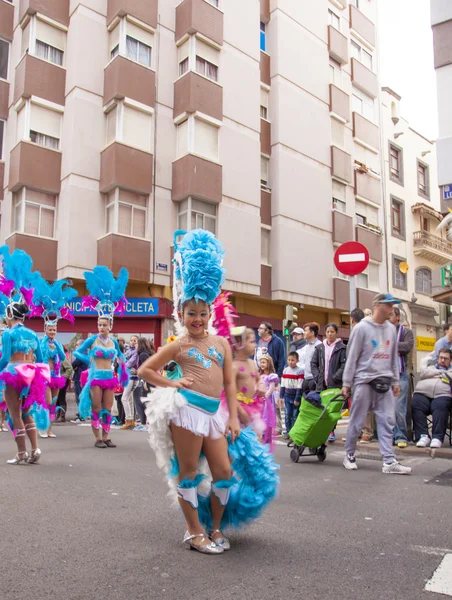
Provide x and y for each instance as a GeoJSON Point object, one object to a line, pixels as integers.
{"type": "Point", "coordinates": [136, 307]}
{"type": "Point", "coordinates": [425, 344]}
{"type": "Point", "coordinates": [446, 276]}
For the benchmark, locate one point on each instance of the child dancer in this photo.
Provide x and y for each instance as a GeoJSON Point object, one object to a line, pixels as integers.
{"type": "Point", "coordinates": [271, 382]}
{"type": "Point", "coordinates": [49, 302]}
{"type": "Point", "coordinates": [183, 412]}
{"type": "Point", "coordinates": [100, 352]}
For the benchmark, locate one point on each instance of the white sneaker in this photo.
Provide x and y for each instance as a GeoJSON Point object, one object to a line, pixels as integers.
{"type": "Point", "coordinates": [435, 443]}
{"type": "Point", "coordinates": [423, 442]}
{"type": "Point", "coordinates": [43, 435]}
{"type": "Point", "coordinates": [350, 462]}
{"type": "Point", "coordinates": [396, 468]}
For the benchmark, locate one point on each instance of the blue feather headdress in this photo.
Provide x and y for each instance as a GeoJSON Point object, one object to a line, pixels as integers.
{"type": "Point", "coordinates": [198, 270]}
{"type": "Point", "coordinates": [107, 294]}
{"type": "Point", "coordinates": [50, 301]}
{"type": "Point", "coordinates": [17, 280]}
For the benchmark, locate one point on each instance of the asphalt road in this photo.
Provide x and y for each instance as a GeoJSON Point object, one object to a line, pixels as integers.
{"type": "Point", "coordinates": [91, 523]}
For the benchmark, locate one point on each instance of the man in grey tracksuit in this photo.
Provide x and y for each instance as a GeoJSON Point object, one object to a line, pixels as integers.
{"type": "Point", "coordinates": [372, 369]}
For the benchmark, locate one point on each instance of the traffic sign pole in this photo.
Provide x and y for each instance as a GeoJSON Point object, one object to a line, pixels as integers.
{"type": "Point", "coordinates": [352, 292]}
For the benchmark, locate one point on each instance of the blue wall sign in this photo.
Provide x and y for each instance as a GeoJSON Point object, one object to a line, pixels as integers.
{"type": "Point", "coordinates": [447, 192]}
{"type": "Point", "coordinates": [136, 307]}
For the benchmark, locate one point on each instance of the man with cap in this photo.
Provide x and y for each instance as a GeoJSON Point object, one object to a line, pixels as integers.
{"type": "Point", "coordinates": [372, 369]}
{"type": "Point", "coordinates": [298, 341]}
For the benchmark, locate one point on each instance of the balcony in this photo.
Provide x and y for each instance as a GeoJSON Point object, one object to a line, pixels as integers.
{"type": "Point", "coordinates": [37, 77]}
{"type": "Point", "coordinates": [266, 282]}
{"type": "Point", "coordinates": [341, 291]}
{"type": "Point", "coordinates": [367, 187]}
{"type": "Point", "coordinates": [266, 142]}
{"type": "Point", "coordinates": [265, 68]}
{"type": "Point", "coordinates": [342, 227]}
{"type": "Point", "coordinates": [372, 239]}
{"type": "Point", "coordinates": [36, 167]}
{"type": "Point", "coordinates": [58, 11]}
{"type": "Point", "coordinates": [266, 208]}
{"type": "Point", "coordinates": [265, 11]}
{"type": "Point", "coordinates": [432, 247]}
{"type": "Point", "coordinates": [337, 45]}
{"type": "Point", "coordinates": [127, 168]}
{"type": "Point", "coordinates": [143, 10]}
{"type": "Point", "coordinates": [199, 16]}
{"type": "Point", "coordinates": [2, 178]}
{"type": "Point", "coordinates": [198, 177]}
{"type": "Point", "coordinates": [124, 78]}
{"type": "Point", "coordinates": [43, 252]}
{"type": "Point", "coordinates": [364, 298]}
{"type": "Point", "coordinates": [362, 27]}
{"type": "Point", "coordinates": [4, 97]}
{"type": "Point", "coordinates": [339, 103]}
{"type": "Point", "coordinates": [116, 251]}
{"type": "Point", "coordinates": [366, 133]}
{"type": "Point", "coordinates": [341, 164]}
{"type": "Point", "coordinates": [193, 92]}
{"type": "Point", "coordinates": [6, 21]}
{"type": "Point", "coordinates": [364, 79]}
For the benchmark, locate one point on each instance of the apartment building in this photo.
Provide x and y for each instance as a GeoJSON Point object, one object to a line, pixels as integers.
{"type": "Point", "coordinates": [416, 249]}
{"type": "Point", "coordinates": [122, 120]}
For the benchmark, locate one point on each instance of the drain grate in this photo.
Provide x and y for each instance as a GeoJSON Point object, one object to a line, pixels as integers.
{"type": "Point", "coordinates": [443, 479]}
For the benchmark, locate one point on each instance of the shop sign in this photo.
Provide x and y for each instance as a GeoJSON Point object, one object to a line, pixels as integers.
{"type": "Point", "coordinates": [136, 307]}
{"type": "Point", "coordinates": [446, 276]}
{"type": "Point", "coordinates": [425, 344]}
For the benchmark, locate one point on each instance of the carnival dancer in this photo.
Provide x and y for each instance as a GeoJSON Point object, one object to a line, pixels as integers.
{"type": "Point", "coordinates": [50, 302]}
{"type": "Point", "coordinates": [22, 372]}
{"type": "Point", "coordinates": [107, 296]}
{"type": "Point", "coordinates": [270, 381]}
{"type": "Point", "coordinates": [183, 413]}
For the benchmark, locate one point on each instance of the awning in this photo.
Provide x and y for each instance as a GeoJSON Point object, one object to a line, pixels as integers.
{"type": "Point", "coordinates": [426, 211]}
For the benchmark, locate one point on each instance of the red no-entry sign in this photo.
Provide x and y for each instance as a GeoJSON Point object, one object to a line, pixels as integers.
{"type": "Point", "coordinates": [351, 258]}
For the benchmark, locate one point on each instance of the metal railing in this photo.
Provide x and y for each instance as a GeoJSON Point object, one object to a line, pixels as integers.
{"type": "Point", "coordinates": [431, 241]}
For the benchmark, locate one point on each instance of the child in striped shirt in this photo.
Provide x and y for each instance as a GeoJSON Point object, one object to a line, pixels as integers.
{"type": "Point", "coordinates": [291, 384]}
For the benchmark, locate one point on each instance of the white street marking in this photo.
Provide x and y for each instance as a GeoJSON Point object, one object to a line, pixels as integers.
{"type": "Point", "coordinates": [441, 582]}
{"type": "Point", "coordinates": [428, 550]}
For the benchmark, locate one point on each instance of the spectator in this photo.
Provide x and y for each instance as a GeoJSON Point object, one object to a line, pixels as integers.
{"type": "Point", "coordinates": [311, 332]}
{"type": "Point", "coordinates": [298, 341]}
{"type": "Point", "coordinates": [127, 395]}
{"type": "Point", "coordinates": [145, 349]}
{"type": "Point", "coordinates": [78, 367]}
{"type": "Point", "coordinates": [372, 368]}
{"type": "Point", "coordinates": [271, 344]}
{"type": "Point", "coordinates": [356, 316]}
{"type": "Point", "coordinates": [291, 384]}
{"type": "Point", "coordinates": [444, 342]}
{"type": "Point", "coordinates": [433, 396]}
{"type": "Point", "coordinates": [405, 343]}
{"type": "Point", "coordinates": [328, 363]}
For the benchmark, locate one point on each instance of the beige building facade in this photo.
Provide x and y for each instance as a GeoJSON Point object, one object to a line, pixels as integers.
{"type": "Point", "coordinates": [123, 120]}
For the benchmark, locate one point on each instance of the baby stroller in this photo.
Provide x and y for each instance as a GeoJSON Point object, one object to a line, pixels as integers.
{"type": "Point", "coordinates": [318, 416]}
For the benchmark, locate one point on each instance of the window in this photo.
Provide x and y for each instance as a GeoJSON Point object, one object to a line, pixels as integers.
{"type": "Point", "coordinates": [183, 67]}
{"type": "Point", "coordinates": [337, 133]}
{"type": "Point", "coordinates": [265, 163]}
{"type": "Point", "coordinates": [204, 67]}
{"type": "Point", "coordinates": [339, 190]}
{"type": "Point", "coordinates": [197, 214]}
{"type": "Point", "coordinates": [398, 218]}
{"type": "Point", "coordinates": [39, 124]}
{"type": "Point", "coordinates": [374, 276]}
{"type": "Point", "coordinates": [363, 104]}
{"type": "Point", "coordinates": [423, 183]}
{"type": "Point", "coordinates": [334, 20]}
{"type": "Point", "coordinates": [339, 205]}
{"type": "Point", "coordinates": [423, 281]}
{"type": "Point", "coordinates": [399, 279]}
{"type": "Point", "coordinates": [4, 59]}
{"type": "Point", "coordinates": [47, 52]}
{"type": "Point", "coordinates": [264, 104]}
{"type": "Point", "coordinates": [425, 224]}
{"type": "Point", "coordinates": [361, 54]}
{"type": "Point", "coordinates": [126, 213]}
{"type": "Point", "coordinates": [263, 37]}
{"type": "Point", "coordinates": [395, 163]}
{"type": "Point", "coordinates": [265, 246]}
{"type": "Point", "coordinates": [361, 219]}
{"type": "Point", "coordinates": [34, 213]}
{"type": "Point", "coordinates": [195, 136]}
{"type": "Point", "coordinates": [362, 280]}
{"type": "Point", "coordinates": [130, 125]}
{"type": "Point", "coordinates": [2, 135]}
{"type": "Point", "coordinates": [138, 51]}
{"type": "Point", "coordinates": [335, 73]}
{"type": "Point", "coordinates": [44, 140]}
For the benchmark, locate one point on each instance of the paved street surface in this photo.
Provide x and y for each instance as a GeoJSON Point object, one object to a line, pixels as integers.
{"type": "Point", "coordinates": [92, 523]}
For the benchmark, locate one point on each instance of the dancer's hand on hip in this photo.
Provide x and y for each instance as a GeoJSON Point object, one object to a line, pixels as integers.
{"type": "Point", "coordinates": [184, 383]}
{"type": "Point", "coordinates": [233, 427]}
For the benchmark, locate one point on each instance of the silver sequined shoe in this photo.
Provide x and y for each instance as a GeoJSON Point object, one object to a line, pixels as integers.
{"type": "Point", "coordinates": [35, 456]}
{"type": "Point", "coordinates": [19, 458]}
{"type": "Point", "coordinates": [211, 548]}
{"type": "Point", "coordinates": [222, 541]}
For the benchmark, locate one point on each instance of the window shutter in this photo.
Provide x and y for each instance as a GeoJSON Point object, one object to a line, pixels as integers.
{"type": "Point", "coordinates": [50, 35]}
{"type": "Point", "coordinates": [140, 34]}
{"type": "Point", "coordinates": [111, 125]}
{"type": "Point", "coordinates": [206, 140]}
{"type": "Point", "coordinates": [31, 219]}
{"type": "Point", "coordinates": [47, 222]}
{"type": "Point", "coordinates": [183, 51]}
{"type": "Point", "coordinates": [45, 121]}
{"type": "Point", "coordinates": [137, 128]}
{"type": "Point", "coordinates": [182, 139]}
{"type": "Point", "coordinates": [207, 52]}
{"type": "Point", "coordinates": [139, 223]}
{"type": "Point", "coordinates": [114, 37]}
{"type": "Point", "coordinates": [125, 219]}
